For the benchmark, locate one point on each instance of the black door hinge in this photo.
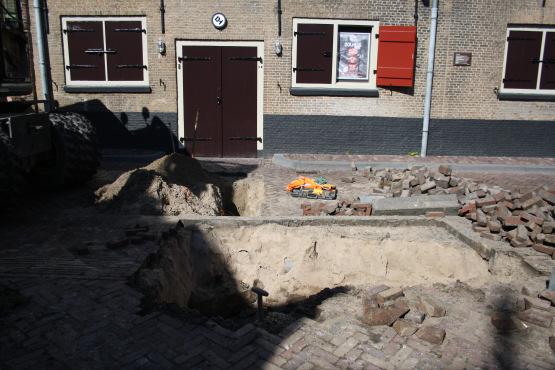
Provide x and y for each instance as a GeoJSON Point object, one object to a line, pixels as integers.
{"type": "Point", "coordinates": [194, 59]}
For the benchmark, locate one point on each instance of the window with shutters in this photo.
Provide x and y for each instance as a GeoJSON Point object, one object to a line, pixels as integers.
{"type": "Point", "coordinates": [529, 68]}
{"type": "Point", "coordinates": [105, 54]}
{"type": "Point", "coordinates": [334, 57]}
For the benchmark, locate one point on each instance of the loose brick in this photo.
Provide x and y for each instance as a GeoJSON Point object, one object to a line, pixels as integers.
{"type": "Point", "coordinates": [540, 304]}
{"type": "Point", "coordinates": [550, 238]}
{"type": "Point", "coordinates": [547, 196]}
{"type": "Point", "coordinates": [404, 328]}
{"type": "Point", "coordinates": [427, 186]}
{"type": "Point", "coordinates": [481, 218]}
{"type": "Point", "coordinates": [445, 170]}
{"type": "Point", "coordinates": [430, 307]}
{"type": "Point", "coordinates": [544, 249]}
{"type": "Point", "coordinates": [536, 317]}
{"type": "Point", "coordinates": [548, 227]}
{"type": "Point", "coordinates": [389, 295]}
{"type": "Point", "coordinates": [469, 207]}
{"type": "Point", "coordinates": [487, 201]}
{"type": "Point", "coordinates": [494, 226]}
{"type": "Point", "coordinates": [549, 295]}
{"type": "Point", "coordinates": [512, 221]}
{"type": "Point", "coordinates": [431, 334]}
{"type": "Point", "coordinates": [531, 202]}
{"type": "Point", "coordinates": [415, 316]}
{"type": "Point", "coordinates": [387, 315]}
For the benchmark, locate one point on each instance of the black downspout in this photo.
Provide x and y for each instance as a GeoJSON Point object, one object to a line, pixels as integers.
{"type": "Point", "coordinates": [162, 18]}
{"type": "Point", "coordinates": [279, 17]}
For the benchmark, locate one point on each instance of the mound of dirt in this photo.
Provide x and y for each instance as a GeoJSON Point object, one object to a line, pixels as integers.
{"type": "Point", "coordinates": [173, 185]}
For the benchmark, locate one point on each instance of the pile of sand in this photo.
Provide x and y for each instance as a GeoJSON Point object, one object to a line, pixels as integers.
{"type": "Point", "coordinates": [171, 186]}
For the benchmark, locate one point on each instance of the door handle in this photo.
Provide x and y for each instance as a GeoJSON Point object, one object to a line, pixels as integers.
{"type": "Point", "coordinates": [219, 100]}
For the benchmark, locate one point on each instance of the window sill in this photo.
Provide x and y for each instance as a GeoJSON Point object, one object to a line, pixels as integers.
{"type": "Point", "coordinates": [525, 96]}
{"type": "Point", "coordinates": [107, 89]}
{"type": "Point", "coordinates": [322, 91]}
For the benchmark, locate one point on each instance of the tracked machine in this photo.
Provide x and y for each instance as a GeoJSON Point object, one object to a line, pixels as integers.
{"type": "Point", "coordinates": [47, 148]}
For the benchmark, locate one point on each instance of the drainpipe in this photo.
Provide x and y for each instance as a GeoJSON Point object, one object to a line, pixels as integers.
{"type": "Point", "coordinates": [43, 55]}
{"type": "Point", "coordinates": [429, 79]}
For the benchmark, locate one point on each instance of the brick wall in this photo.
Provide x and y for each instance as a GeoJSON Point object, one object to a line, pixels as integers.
{"type": "Point", "coordinates": [476, 26]}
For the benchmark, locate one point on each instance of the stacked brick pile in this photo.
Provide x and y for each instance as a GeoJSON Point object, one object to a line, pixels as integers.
{"type": "Point", "coordinates": [523, 220]}
{"type": "Point", "coordinates": [383, 305]}
{"type": "Point", "coordinates": [333, 208]}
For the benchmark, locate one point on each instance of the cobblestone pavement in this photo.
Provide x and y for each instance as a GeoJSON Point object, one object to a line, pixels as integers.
{"type": "Point", "coordinates": [80, 312]}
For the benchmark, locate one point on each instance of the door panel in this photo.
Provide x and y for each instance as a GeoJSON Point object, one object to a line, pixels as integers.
{"type": "Point", "coordinates": [201, 84]}
{"type": "Point", "coordinates": [548, 69]}
{"type": "Point", "coordinates": [239, 75]}
{"type": "Point", "coordinates": [522, 60]}
{"type": "Point", "coordinates": [83, 39]}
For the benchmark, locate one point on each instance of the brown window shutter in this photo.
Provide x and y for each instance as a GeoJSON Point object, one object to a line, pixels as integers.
{"type": "Point", "coordinates": [548, 69]}
{"type": "Point", "coordinates": [83, 40]}
{"type": "Point", "coordinates": [314, 53]}
{"type": "Point", "coordinates": [522, 66]}
{"type": "Point", "coordinates": [124, 47]}
{"type": "Point", "coordinates": [396, 54]}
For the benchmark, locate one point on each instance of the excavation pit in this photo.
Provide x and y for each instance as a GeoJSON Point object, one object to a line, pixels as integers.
{"type": "Point", "coordinates": [212, 264]}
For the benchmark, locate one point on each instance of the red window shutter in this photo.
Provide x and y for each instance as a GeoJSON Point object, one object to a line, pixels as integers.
{"type": "Point", "coordinates": [124, 43]}
{"type": "Point", "coordinates": [314, 53]}
{"type": "Point", "coordinates": [396, 53]}
{"type": "Point", "coordinates": [84, 40]}
{"type": "Point", "coordinates": [548, 66]}
{"type": "Point", "coordinates": [522, 66]}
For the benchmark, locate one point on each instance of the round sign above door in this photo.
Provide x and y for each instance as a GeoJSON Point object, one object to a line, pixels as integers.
{"type": "Point", "coordinates": [219, 21]}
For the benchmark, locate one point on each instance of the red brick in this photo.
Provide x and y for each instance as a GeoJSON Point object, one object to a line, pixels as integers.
{"type": "Point", "coordinates": [536, 317]}
{"type": "Point", "coordinates": [435, 214]}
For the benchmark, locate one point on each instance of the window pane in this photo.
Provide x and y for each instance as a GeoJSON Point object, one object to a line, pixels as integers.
{"type": "Point", "coordinates": [353, 55]}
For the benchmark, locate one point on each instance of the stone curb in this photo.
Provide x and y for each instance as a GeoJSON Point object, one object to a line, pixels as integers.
{"type": "Point", "coordinates": [311, 166]}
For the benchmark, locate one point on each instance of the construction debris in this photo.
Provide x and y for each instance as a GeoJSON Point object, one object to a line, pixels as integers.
{"type": "Point", "coordinates": [385, 306]}
{"type": "Point", "coordinates": [523, 220]}
{"type": "Point", "coordinates": [172, 185]}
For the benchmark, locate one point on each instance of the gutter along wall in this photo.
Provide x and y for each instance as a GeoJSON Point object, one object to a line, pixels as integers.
{"type": "Point", "coordinates": [467, 118]}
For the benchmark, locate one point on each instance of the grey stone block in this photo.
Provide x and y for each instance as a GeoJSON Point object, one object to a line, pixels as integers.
{"type": "Point", "coordinates": [415, 206]}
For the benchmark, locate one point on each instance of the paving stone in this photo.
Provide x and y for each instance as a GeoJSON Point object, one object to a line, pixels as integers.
{"type": "Point", "coordinates": [431, 334]}
{"type": "Point", "coordinates": [536, 317]}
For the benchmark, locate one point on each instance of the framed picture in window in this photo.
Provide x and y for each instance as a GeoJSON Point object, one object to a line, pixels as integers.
{"type": "Point", "coordinates": [354, 54]}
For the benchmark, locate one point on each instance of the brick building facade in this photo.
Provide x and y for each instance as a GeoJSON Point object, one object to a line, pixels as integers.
{"type": "Point", "coordinates": [468, 115]}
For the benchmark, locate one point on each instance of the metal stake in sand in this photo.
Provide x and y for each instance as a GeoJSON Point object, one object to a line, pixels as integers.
{"type": "Point", "coordinates": [260, 309]}
{"type": "Point", "coordinates": [195, 135]}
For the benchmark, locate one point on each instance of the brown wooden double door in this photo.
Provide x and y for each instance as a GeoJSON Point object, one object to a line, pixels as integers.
{"type": "Point", "coordinates": [220, 87]}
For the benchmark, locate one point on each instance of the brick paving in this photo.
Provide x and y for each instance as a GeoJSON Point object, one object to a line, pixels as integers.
{"type": "Point", "coordinates": [81, 312]}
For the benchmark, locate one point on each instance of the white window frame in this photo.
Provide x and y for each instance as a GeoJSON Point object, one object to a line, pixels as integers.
{"type": "Point", "coordinates": [338, 84]}
{"type": "Point", "coordinates": [537, 90]}
{"type": "Point", "coordinates": [259, 83]}
{"type": "Point", "coordinates": [105, 83]}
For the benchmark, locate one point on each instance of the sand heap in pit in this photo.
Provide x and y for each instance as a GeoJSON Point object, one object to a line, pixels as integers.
{"type": "Point", "coordinates": [172, 185]}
